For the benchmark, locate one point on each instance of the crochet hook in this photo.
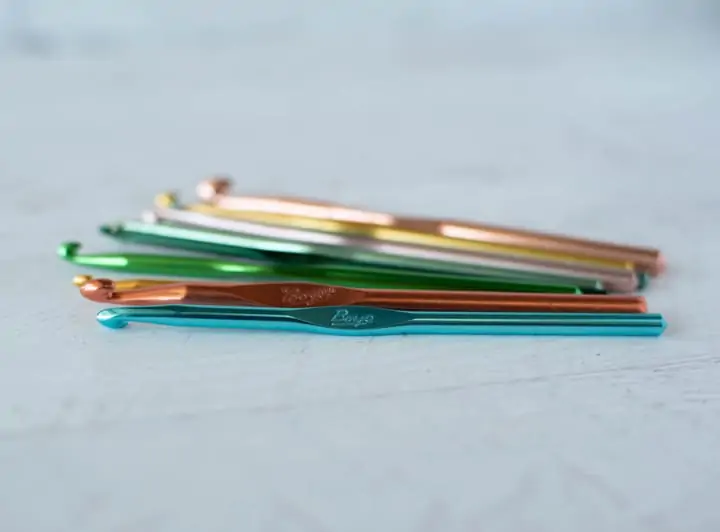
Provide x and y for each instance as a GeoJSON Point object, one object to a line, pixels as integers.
{"type": "Point", "coordinates": [335, 218]}
{"type": "Point", "coordinates": [321, 272]}
{"type": "Point", "coordinates": [370, 321]}
{"type": "Point", "coordinates": [299, 294]}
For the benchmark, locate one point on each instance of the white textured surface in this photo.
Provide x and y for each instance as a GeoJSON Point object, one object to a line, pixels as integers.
{"type": "Point", "coordinates": [607, 125]}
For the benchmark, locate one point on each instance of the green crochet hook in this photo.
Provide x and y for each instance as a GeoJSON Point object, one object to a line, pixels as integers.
{"type": "Point", "coordinates": [351, 275]}
{"type": "Point", "coordinates": [178, 236]}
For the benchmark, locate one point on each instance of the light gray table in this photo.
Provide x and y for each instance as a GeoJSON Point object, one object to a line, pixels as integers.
{"type": "Point", "coordinates": [612, 134]}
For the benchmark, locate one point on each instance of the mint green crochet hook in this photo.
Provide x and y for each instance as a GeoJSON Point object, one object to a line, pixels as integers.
{"type": "Point", "coordinates": [178, 236]}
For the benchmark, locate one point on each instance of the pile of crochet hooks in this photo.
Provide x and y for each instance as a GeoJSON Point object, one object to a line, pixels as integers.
{"type": "Point", "coordinates": [285, 263]}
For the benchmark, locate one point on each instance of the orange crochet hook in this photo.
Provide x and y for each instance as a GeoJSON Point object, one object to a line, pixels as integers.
{"type": "Point", "coordinates": [295, 295]}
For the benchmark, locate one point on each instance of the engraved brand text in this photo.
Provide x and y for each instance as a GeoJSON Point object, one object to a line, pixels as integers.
{"type": "Point", "coordinates": [306, 297]}
{"type": "Point", "coordinates": [345, 318]}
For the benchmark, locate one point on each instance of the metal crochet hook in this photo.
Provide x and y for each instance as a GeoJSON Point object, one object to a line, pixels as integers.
{"type": "Point", "coordinates": [273, 238]}
{"type": "Point", "coordinates": [321, 272]}
{"type": "Point", "coordinates": [331, 217]}
{"type": "Point", "coordinates": [403, 237]}
{"type": "Point", "coordinates": [384, 234]}
{"type": "Point", "coordinates": [370, 321]}
{"type": "Point", "coordinates": [298, 294]}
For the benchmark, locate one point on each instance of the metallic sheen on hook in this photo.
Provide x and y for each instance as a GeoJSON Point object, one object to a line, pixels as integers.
{"type": "Point", "coordinates": [370, 321]}
{"type": "Point", "coordinates": [335, 218]}
{"type": "Point", "coordinates": [124, 284]}
{"type": "Point", "coordinates": [174, 225]}
{"type": "Point", "coordinates": [298, 294]}
{"type": "Point", "coordinates": [321, 272]}
{"type": "Point", "coordinates": [173, 235]}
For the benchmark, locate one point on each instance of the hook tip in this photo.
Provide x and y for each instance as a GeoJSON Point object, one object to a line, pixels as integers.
{"type": "Point", "coordinates": [166, 200]}
{"type": "Point", "coordinates": [80, 280]}
{"type": "Point", "coordinates": [150, 217]}
{"type": "Point", "coordinates": [110, 229]}
{"type": "Point", "coordinates": [68, 250]}
{"type": "Point", "coordinates": [98, 289]}
{"type": "Point", "coordinates": [215, 186]}
{"type": "Point", "coordinates": [111, 318]}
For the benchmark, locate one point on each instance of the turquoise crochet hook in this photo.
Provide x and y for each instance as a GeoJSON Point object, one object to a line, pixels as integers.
{"type": "Point", "coordinates": [371, 321]}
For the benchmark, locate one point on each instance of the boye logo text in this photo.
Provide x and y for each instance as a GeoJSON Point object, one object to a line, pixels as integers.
{"type": "Point", "coordinates": [345, 318]}
{"type": "Point", "coordinates": [306, 297]}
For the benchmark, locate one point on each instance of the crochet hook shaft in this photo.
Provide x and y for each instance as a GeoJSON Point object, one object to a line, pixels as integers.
{"type": "Point", "coordinates": [331, 217]}
{"type": "Point", "coordinates": [370, 321]}
{"type": "Point", "coordinates": [298, 294]}
{"type": "Point", "coordinates": [321, 272]}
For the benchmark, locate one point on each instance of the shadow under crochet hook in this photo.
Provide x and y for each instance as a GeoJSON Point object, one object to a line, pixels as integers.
{"type": "Point", "coordinates": [369, 321]}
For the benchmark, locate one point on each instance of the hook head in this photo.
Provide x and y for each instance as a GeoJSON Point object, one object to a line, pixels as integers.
{"type": "Point", "coordinates": [110, 229]}
{"type": "Point", "coordinates": [80, 280]}
{"type": "Point", "coordinates": [100, 290]}
{"type": "Point", "coordinates": [149, 217]}
{"type": "Point", "coordinates": [166, 200]}
{"type": "Point", "coordinates": [111, 318]}
{"type": "Point", "coordinates": [68, 250]}
{"type": "Point", "coordinates": [215, 186]}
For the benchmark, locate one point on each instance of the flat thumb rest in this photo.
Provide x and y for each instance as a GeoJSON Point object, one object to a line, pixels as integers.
{"type": "Point", "coordinates": [360, 321]}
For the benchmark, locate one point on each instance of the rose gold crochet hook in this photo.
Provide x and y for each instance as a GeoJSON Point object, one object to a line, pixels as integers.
{"type": "Point", "coordinates": [295, 295]}
{"type": "Point", "coordinates": [331, 217]}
